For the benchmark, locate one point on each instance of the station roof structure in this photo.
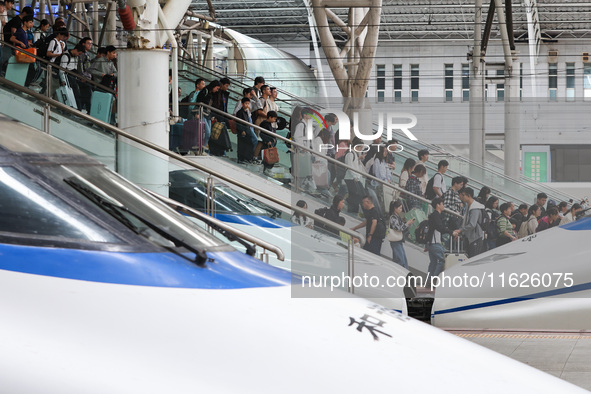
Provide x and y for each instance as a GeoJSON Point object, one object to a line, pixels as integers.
{"type": "Point", "coordinates": [269, 20]}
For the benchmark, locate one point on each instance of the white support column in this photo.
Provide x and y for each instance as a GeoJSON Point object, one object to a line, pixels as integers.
{"type": "Point", "coordinates": [143, 111]}
{"type": "Point", "coordinates": [42, 6]}
{"type": "Point", "coordinates": [232, 69]}
{"type": "Point", "coordinates": [477, 131]}
{"type": "Point", "coordinates": [534, 38]}
{"type": "Point", "coordinates": [209, 53]}
{"type": "Point", "coordinates": [512, 146]}
{"type": "Point", "coordinates": [95, 22]}
{"type": "Point", "coordinates": [200, 48]}
{"type": "Point", "coordinates": [110, 33]}
{"type": "Point", "coordinates": [512, 116]}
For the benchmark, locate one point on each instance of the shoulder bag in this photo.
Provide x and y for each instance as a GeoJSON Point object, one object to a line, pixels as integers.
{"type": "Point", "coordinates": [393, 235]}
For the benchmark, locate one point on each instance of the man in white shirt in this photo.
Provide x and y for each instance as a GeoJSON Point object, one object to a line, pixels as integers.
{"type": "Point", "coordinates": [69, 61]}
{"type": "Point", "coordinates": [246, 93]}
{"type": "Point", "coordinates": [439, 181]}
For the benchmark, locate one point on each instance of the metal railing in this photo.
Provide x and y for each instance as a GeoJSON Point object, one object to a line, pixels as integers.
{"type": "Point", "coordinates": [177, 206]}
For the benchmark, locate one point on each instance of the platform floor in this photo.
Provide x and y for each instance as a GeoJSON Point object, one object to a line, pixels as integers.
{"type": "Point", "coordinates": [566, 355]}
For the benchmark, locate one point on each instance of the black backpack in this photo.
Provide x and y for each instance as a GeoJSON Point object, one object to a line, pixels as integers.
{"type": "Point", "coordinates": [489, 224]}
{"type": "Point", "coordinates": [184, 109]}
{"type": "Point", "coordinates": [422, 232]}
{"type": "Point", "coordinates": [42, 44]}
{"type": "Point", "coordinates": [430, 193]}
{"type": "Point", "coordinates": [321, 212]}
{"type": "Point", "coordinates": [381, 228]}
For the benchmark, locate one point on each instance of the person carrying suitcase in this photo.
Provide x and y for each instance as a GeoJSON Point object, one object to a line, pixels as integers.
{"type": "Point", "coordinates": [268, 140]}
{"type": "Point", "coordinates": [247, 139]}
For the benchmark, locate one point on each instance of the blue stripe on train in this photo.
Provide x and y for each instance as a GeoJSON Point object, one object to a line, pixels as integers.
{"type": "Point", "coordinates": [231, 270]}
{"type": "Point", "coordinates": [582, 224]}
{"type": "Point", "coordinates": [254, 220]}
{"type": "Point", "coordinates": [543, 294]}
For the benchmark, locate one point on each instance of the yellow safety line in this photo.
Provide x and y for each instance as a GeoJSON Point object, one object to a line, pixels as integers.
{"type": "Point", "coordinates": [524, 336]}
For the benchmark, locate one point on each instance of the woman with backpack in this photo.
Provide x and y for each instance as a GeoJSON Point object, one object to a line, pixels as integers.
{"type": "Point", "coordinates": [397, 227]}
{"type": "Point", "coordinates": [505, 227]}
{"type": "Point", "coordinates": [493, 214]}
{"type": "Point", "coordinates": [531, 223]}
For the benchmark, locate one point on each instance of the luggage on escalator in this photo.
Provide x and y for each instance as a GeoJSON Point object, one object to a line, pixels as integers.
{"type": "Point", "coordinates": [192, 139]}
{"type": "Point", "coordinates": [244, 148]}
{"type": "Point", "coordinates": [219, 145]}
{"type": "Point", "coordinates": [101, 105]}
{"type": "Point", "coordinates": [455, 256]}
{"type": "Point", "coordinates": [65, 95]}
{"type": "Point", "coordinates": [175, 137]}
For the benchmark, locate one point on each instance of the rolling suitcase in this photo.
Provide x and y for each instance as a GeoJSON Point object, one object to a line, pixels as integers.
{"type": "Point", "coordinates": [101, 105]}
{"type": "Point", "coordinates": [454, 257]}
{"type": "Point", "coordinates": [65, 95]}
{"type": "Point", "coordinates": [192, 139]}
{"type": "Point", "coordinates": [419, 216]}
{"type": "Point", "coordinates": [244, 148]}
{"type": "Point", "coordinates": [175, 137]}
{"type": "Point", "coordinates": [16, 72]}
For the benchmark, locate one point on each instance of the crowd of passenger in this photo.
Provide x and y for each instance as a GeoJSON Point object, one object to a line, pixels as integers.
{"type": "Point", "coordinates": [257, 107]}
{"type": "Point", "coordinates": [51, 43]}
{"type": "Point", "coordinates": [483, 222]}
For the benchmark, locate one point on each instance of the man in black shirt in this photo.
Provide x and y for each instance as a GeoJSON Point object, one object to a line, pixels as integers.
{"type": "Point", "coordinates": [375, 230]}
{"type": "Point", "coordinates": [434, 245]}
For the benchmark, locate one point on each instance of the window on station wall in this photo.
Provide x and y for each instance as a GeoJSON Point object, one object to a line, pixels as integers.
{"type": "Point", "coordinates": [552, 81]}
{"type": "Point", "coordinates": [381, 82]}
{"type": "Point", "coordinates": [587, 81]}
{"type": "Point", "coordinates": [570, 82]}
{"type": "Point", "coordinates": [500, 86]}
{"type": "Point", "coordinates": [414, 82]}
{"type": "Point", "coordinates": [465, 82]}
{"type": "Point", "coordinates": [449, 82]}
{"type": "Point", "coordinates": [397, 83]}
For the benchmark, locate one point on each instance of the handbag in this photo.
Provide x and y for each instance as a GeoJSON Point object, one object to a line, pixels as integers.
{"type": "Point", "coordinates": [216, 130]}
{"type": "Point", "coordinates": [394, 235]}
{"type": "Point", "coordinates": [22, 57]}
{"type": "Point", "coordinates": [270, 155]}
{"type": "Point", "coordinates": [233, 127]}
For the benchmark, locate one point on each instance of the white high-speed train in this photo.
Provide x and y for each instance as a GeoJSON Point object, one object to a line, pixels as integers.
{"type": "Point", "coordinates": [539, 282]}
{"type": "Point", "coordinates": [105, 290]}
